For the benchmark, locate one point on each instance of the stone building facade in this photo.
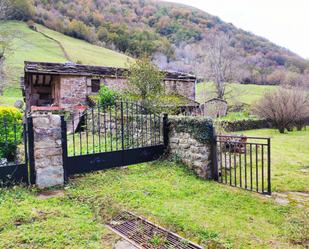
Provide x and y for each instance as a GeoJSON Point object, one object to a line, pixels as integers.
{"type": "Point", "coordinates": [66, 86]}
{"type": "Point", "coordinates": [214, 108]}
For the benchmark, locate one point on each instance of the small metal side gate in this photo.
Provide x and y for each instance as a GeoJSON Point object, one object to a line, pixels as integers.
{"type": "Point", "coordinates": [16, 154]}
{"type": "Point", "coordinates": [107, 136]}
{"type": "Point", "coordinates": [244, 162]}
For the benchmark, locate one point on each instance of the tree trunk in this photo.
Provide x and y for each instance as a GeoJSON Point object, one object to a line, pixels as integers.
{"type": "Point", "coordinates": [281, 129]}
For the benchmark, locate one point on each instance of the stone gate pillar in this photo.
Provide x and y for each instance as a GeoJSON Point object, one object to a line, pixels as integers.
{"type": "Point", "coordinates": [47, 150]}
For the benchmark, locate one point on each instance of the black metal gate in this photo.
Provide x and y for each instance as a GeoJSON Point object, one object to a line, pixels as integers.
{"type": "Point", "coordinates": [106, 136]}
{"type": "Point", "coordinates": [16, 148]}
{"type": "Point", "coordinates": [244, 162]}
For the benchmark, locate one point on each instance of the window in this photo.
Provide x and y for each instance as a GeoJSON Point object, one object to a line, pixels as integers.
{"type": "Point", "coordinates": [95, 85]}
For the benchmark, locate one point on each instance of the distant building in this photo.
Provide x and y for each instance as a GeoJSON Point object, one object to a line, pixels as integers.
{"type": "Point", "coordinates": [214, 108]}
{"type": "Point", "coordinates": [66, 86]}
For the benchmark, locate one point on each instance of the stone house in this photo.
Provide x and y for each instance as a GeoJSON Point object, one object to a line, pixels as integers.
{"type": "Point", "coordinates": [67, 86]}
{"type": "Point", "coordinates": [214, 108]}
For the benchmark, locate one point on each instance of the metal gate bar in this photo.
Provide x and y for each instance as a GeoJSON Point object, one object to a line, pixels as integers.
{"type": "Point", "coordinates": [244, 162]}
{"type": "Point", "coordinates": [112, 135]}
{"type": "Point", "coordinates": [13, 167]}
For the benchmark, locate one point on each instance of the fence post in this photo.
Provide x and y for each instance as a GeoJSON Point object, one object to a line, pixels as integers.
{"type": "Point", "coordinates": [32, 175]}
{"type": "Point", "coordinates": [269, 166]}
{"type": "Point", "coordinates": [165, 130]}
{"type": "Point", "coordinates": [48, 154]}
{"type": "Point", "coordinates": [214, 173]}
{"type": "Point", "coordinates": [64, 144]}
{"type": "Point", "coordinates": [122, 128]}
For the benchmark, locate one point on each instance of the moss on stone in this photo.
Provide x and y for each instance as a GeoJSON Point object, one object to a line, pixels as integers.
{"type": "Point", "coordinates": [201, 128]}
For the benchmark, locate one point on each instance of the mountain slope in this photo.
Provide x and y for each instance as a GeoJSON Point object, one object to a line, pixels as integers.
{"type": "Point", "coordinates": [34, 46]}
{"type": "Point", "coordinates": [173, 34]}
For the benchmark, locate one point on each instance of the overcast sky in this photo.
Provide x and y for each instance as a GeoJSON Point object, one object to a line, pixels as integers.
{"type": "Point", "coordinates": [284, 22]}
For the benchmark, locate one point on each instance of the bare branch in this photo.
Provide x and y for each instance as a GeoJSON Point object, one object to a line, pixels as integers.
{"type": "Point", "coordinates": [220, 61]}
{"type": "Point", "coordinates": [286, 108]}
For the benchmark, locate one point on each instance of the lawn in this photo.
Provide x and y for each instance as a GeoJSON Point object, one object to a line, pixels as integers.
{"type": "Point", "coordinates": [290, 158]}
{"type": "Point", "coordinates": [166, 193]}
{"type": "Point", "coordinates": [235, 93]}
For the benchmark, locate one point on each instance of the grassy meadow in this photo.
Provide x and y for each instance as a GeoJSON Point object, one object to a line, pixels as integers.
{"type": "Point", "coordinates": [166, 193]}
{"type": "Point", "coordinates": [290, 160]}
{"type": "Point", "coordinates": [29, 45]}
{"type": "Point", "coordinates": [235, 93]}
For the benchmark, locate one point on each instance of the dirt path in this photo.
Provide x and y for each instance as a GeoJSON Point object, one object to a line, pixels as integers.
{"type": "Point", "coordinates": [66, 55]}
{"type": "Point", "coordinates": [301, 199]}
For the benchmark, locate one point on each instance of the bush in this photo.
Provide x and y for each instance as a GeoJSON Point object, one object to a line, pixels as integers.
{"type": "Point", "coordinates": [22, 10]}
{"type": "Point", "coordinates": [145, 82]}
{"type": "Point", "coordinates": [242, 125]}
{"type": "Point", "coordinates": [10, 131]}
{"type": "Point", "coordinates": [107, 97]}
{"type": "Point", "coordinates": [285, 108]}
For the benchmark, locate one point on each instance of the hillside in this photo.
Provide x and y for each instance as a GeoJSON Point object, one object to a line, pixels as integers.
{"type": "Point", "coordinates": [237, 94]}
{"type": "Point", "coordinates": [174, 35]}
{"type": "Point", "coordinates": [34, 46]}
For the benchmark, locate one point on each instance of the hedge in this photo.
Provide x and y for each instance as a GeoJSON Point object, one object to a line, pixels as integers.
{"type": "Point", "coordinates": [242, 125]}
{"type": "Point", "coordinates": [11, 129]}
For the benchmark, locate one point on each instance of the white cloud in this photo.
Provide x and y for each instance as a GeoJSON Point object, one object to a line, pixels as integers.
{"type": "Point", "coordinates": [284, 22]}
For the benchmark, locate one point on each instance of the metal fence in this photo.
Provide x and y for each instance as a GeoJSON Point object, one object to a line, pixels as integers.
{"type": "Point", "coordinates": [244, 162]}
{"type": "Point", "coordinates": [13, 151]}
{"type": "Point", "coordinates": [114, 135]}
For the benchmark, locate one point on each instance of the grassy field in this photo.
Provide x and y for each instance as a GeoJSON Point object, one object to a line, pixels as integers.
{"type": "Point", "coordinates": [79, 50]}
{"type": "Point", "coordinates": [166, 193]}
{"type": "Point", "coordinates": [169, 195]}
{"type": "Point", "coordinates": [236, 93]}
{"type": "Point", "coordinates": [33, 46]}
{"type": "Point", "coordinates": [290, 160]}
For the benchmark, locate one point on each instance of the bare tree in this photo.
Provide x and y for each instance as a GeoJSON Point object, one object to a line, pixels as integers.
{"type": "Point", "coordinates": [220, 62]}
{"type": "Point", "coordinates": [286, 108]}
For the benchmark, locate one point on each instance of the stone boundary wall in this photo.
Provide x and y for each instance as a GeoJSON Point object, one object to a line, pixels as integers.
{"type": "Point", "coordinates": [191, 141]}
{"type": "Point", "coordinates": [243, 125]}
{"type": "Point", "coordinates": [48, 150]}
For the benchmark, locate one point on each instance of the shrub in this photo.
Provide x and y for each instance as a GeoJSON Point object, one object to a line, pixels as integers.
{"type": "Point", "coordinates": [285, 108]}
{"type": "Point", "coordinates": [145, 81]}
{"type": "Point", "coordinates": [241, 125]}
{"type": "Point", "coordinates": [107, 97]}
{"type": "Point", "coordinates": [10, 131]}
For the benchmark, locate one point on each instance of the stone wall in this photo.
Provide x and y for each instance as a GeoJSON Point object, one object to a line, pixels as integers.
{"type": "Point", "coordinates": [73, 91]}
{"type": "Point", "coordinates": [116, 84]}
{"type": "Point", "coordinates": [190, 140]}
{"type": "Point", "coordinates": [214, 108]}
{"type": "Point", "coordinates": [183, 88]}
{"type": "Point", "coordinates": [48, 150]}
{"type": "Point", "coordinates": [242, 125]}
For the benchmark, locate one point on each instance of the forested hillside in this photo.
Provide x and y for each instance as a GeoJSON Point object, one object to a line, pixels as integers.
{"type": "Point", "coordinates": [176, 36]}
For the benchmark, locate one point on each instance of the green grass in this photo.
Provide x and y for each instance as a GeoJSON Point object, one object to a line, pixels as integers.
{"type": "Point", "coordinates": [79, 50]}
{"type": "Point", "coordinates": [235, 93]}
{"type": "Point", "coordinates": [164, 192]}
{"type": "Point", "coordinates": [28, 45]}
{"type": "Point", "coordinates": [234, 116]}
{"type": "Point", "coordinates": [290, 160]}
{"type": "Point", "coordinates": [33, 46]}
{"type": "Point", "coordinates": [27, 222]}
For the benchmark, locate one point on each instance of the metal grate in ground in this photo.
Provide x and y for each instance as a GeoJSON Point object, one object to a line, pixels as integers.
{"type": "Point", "coordinates": [146, 235]}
